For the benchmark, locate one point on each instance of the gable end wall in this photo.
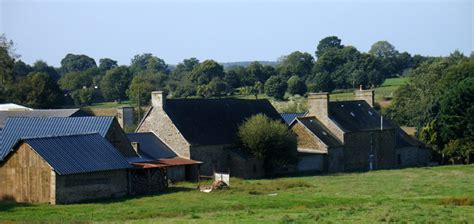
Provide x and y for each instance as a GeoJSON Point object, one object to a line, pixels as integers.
{"type": "Point", "coordinates": [162, 126]}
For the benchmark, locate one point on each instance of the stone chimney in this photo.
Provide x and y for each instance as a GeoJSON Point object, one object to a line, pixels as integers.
{"type": "Point", "coordinates": [367, 95]}
{"type": "Point", "coordinates": [136, 147]}
{"type": "Point", "coordinates": [158, 99]}
{"type": "Point", "coordinates": [125, 116]}
{"type": "Point", "coordinates": [318, 105]}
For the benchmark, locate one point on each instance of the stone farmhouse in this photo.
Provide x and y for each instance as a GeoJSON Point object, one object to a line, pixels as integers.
{"type": "Point", "coordinates": [206, 130]}
{"type": "Point", "coordinates": [69, 159]}
{"type": "Point", "coordinates": [351, 136]}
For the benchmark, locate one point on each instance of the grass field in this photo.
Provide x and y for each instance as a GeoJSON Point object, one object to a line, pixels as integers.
{"type": "Point", "coordinates": [436, 195]}
{"type": "Point", "coordinates": [382, 92]}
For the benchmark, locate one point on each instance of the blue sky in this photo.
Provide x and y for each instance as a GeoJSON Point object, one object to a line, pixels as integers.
{"type": "Point", "coordinates": [226, 31]}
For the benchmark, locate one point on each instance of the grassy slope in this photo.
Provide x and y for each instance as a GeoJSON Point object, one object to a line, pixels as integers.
{"type": "Point", "coordinates": [386, 90]}
{"type": "Point", "coordinates": [412, 195]}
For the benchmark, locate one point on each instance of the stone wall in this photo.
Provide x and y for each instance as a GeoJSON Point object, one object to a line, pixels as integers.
{"type": "Point", "coordinates": [359, 146]}
{"type": "Point", "coordinates": [413, 156]}
{"type": "Point", "coordinates": [307, 141]}
{"type": "Point", "coordinates": [311, 162]}
{"type": "Point", "coordinates": [161, 125]}
{"type": "Point", "coordinates": [335, 160]}
{"type": "Point", "coordinates": [117, 137]}
{"type": "Point", "coordinates": [26, 177]}
{"type": "Point", "coordinates": [245, 166]}
{"type": "Point", "coordinates": [213, 158]}
{"type": "Point", "coordinates": [89, 186]}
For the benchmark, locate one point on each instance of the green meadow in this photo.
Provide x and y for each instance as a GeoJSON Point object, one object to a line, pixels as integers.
{"type": "Point", "coordinates": [443, 194]}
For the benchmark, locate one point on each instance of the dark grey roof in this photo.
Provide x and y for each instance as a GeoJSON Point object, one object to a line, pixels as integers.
{"type": "Point", "coordinates": [357, 115]}
{"type": "Point", "coordinates": [151, 146]}
{"type": "Point", "coordinates": [317, 128]}
{"type": "Point", "coordinates": [17, 128]}
{"type": "Point", "coordinates": [78, 153]}
{"type": "Point", "coordinates": [41, 113]}
{"type": "Point", "coordinates": [289, 117]}
{"type": "Point", "coordinates": [215, 121]}
{"type": "Point", "coordinates": [405, 140]}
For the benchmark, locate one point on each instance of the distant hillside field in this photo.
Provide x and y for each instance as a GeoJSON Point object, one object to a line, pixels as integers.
{"type": "Point", "coordinates": [442, 194]}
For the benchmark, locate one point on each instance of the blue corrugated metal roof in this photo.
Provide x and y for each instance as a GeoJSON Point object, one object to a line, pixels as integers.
{"type": "Point", "coordinates": [151, 146]}
{"type": "Point", "coordinates": [289, 117]}
{"type": "Point", "coordinates": [17, 128]}
{"type": "Point", "coordinates": [78, 153]}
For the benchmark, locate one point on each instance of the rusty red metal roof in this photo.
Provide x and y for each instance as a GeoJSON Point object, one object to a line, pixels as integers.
{"type": "Point", "coordinates": [168, 162]}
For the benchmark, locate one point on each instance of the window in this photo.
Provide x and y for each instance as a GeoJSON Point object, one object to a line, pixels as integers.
{"type": "Point", "coordinates": [254, 168]}
{"type": "Point", "coordinates": [399, 159]}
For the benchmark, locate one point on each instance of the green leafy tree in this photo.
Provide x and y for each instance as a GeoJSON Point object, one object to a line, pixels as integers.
{"type": "Point", "coordinates": [75, 80]}
{"type": "Point", "coordinates": [21, 69]}
{"type": "Point", "coordinates": [275, 87]}
{"type": "Point", "coordinates": [383, 49]}
{"type": "Point", "coordinates": [296, 63]}
{"type": "Point", "coordinates": [330, 42]}
{"type": "Point", "coordinates": [269, 140]}
{"type": "Point", "coordinates": [76, 62]}
{"type": "Point", "coordinates": [203, 73]}
{"type": "Point", "coordinates": [148, 62]}
{"type": "Point", "coordinates": [7, 62]}
{"type": "Point", "coordinates": [106, 64]}
{"type": "Point", "coordinates": [43, 67]}
{"type": "Point", "coordinates": [115, 83]}
{"type": "Point", "coordinates": [83, 97]}
{"type": "Point", "coordinates": [215, 88]}
{"type": "Point", "coordinates": [296, 86]}
{"type": "Point", "coordinates": [38, 90]}
{"type": "Point", "coordinates": [143, 84]}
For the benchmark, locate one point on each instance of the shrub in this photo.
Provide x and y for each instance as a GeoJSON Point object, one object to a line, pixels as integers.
{"type": "Point", "coordinates": [269, 140]}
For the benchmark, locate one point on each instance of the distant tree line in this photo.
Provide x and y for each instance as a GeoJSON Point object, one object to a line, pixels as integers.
{"type": "Point", "coordinates": [80, 80]}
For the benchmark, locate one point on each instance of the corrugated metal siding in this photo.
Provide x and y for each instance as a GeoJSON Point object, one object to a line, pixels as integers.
{"type": "Point", "coordinates": [17, 128]}
{"type": "Point", "coordinates": [289, 117]}
{"type": "Point", "coordinates": [78, 153]}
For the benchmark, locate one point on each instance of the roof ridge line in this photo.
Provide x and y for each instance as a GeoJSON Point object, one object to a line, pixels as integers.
{"type": "Point", "coordinates": [57, 136]}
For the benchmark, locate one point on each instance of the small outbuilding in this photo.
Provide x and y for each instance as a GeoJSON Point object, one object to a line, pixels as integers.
{"type": "Point", "coordinates": [63, 169]}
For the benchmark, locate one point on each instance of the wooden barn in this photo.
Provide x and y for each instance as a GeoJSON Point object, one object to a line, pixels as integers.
{"type": "Point", "coordinates": [63, 169]}
{"type": "Point", "coordinates": [141, 175]}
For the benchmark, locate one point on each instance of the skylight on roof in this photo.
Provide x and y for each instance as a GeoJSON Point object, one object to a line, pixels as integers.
{"type": "Point", "coordinates": [342, 105]}
{"type": "Point", "coordinates": [352, 114]}
{"type": "Point", "coordinates": [324, 133]}
{"type": "Point", "coordinates": [371, 114]}
{"type": "Point", "coordinates": [358, 104]}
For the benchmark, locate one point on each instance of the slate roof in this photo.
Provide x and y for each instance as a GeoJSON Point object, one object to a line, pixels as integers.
{"type": "Point", "coordinates": [17, 128]}
{"type": "Point", "coordinates": [318, 129]}
{"type": "Point", "coordinates": [40, 113]}
{"type": "Point", "coordinates": [214, 121]}
{"type": "Point", "coordinates": [357, 115]}
{"type": "Point", "coordinates": [405, 140]}
{"type": "Point", "coordinates": [78, 153]}
{"type": "Point", "coordinates": [289, 117]}
{"type": "Point", "coordinates": [151, 146]}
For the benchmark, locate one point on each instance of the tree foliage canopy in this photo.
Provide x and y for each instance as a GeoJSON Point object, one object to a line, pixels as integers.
{"type": "Point", "coordinates": [269, 140]}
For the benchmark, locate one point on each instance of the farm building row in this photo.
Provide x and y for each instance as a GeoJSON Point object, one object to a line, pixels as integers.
{"type": "Point", "coordinates": [65, 156]}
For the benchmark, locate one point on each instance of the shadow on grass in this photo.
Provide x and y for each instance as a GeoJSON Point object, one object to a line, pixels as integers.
{"type": "Point", "coordinates": [169, 190]}
{"type": "Point", "coordinates": [8, 203]}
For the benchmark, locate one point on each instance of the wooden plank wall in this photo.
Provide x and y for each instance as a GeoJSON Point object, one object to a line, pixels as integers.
{"type": "Point", "coordinates": [26, 177]}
